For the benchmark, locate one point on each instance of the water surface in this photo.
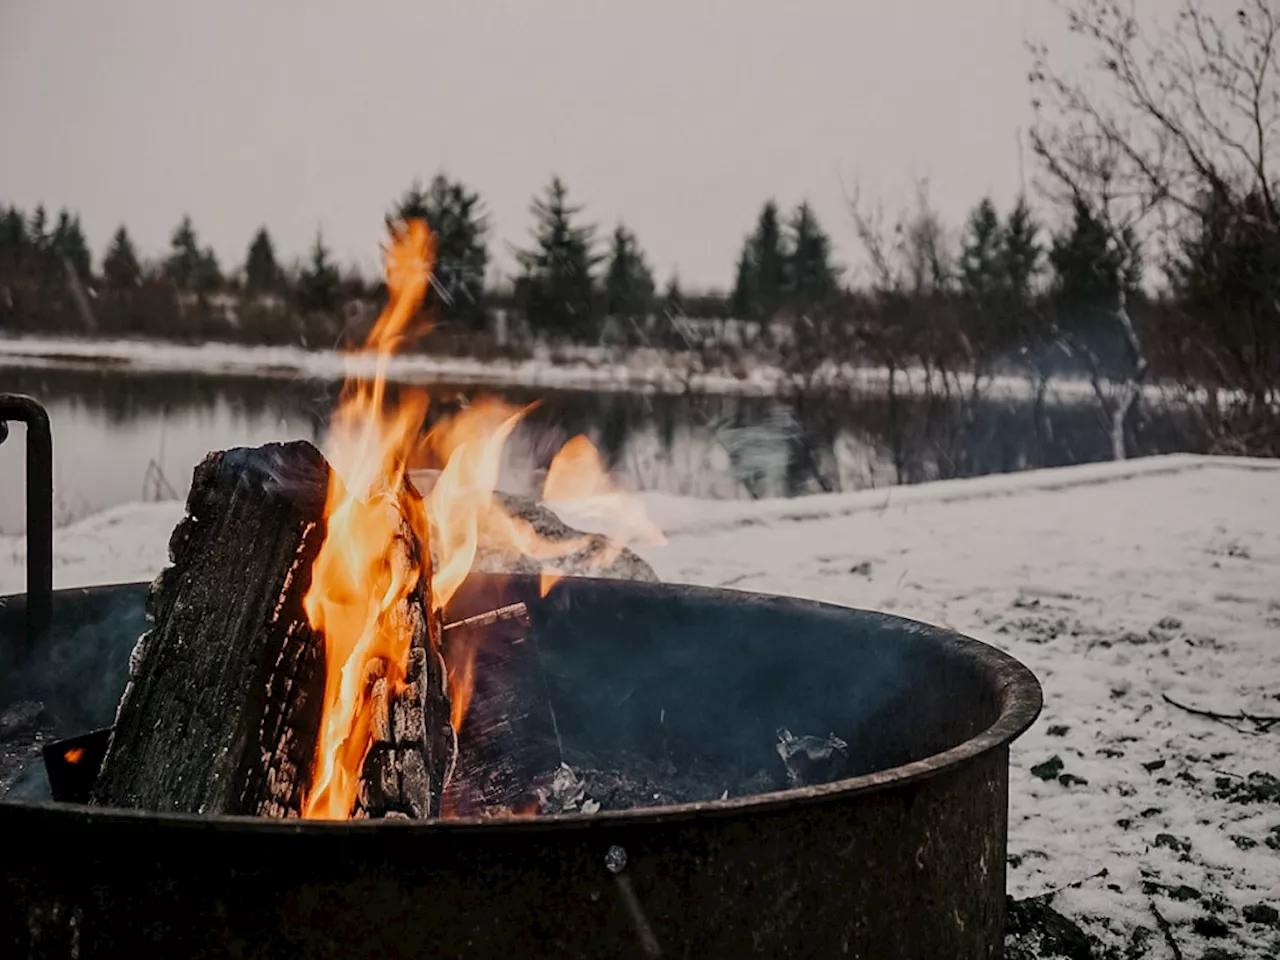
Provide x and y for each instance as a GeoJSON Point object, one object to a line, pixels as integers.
{"type": "Point", "coordinates": [123, 436]}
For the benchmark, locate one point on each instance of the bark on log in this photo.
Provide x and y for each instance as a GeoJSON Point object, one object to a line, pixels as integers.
{"type": "Point", "coordinates": [222, 708]}
{"type": "Point", "coordinates": [222, 711]}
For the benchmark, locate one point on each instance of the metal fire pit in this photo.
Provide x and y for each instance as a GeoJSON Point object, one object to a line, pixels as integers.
{"type": "Point", "coordinates": [905, 858]}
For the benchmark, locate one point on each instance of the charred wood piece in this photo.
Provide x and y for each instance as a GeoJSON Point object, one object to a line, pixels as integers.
{"type": "Point", "coordinates": [222, 711]}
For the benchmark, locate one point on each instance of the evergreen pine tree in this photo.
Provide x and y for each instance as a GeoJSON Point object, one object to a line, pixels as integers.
{"type": "Point", "coordinates": [762, 282]}
{"type": "Point", "coordinates": [1094, 272]}
{"type": "Point", "coordinates": [14, 248]}
{"type": "Point", "coordinates": [982, 273]}
{"type": "Point", "coordinates": [185, 264]}
{"type": "Point", "coordinates": [1227, 276]}
{"type": "Point", "coordinates": [68, 244]}
{"type": "Point", "coordinates": [811, 275]}
{"type": "Point", "coordinates": [1090, 267]}
{"type": "Point", "coordinates": [557, 284]}
{"type": "Point", "coordinates": [1022, 253]}
{"type": "Point", "coordinates": [318, 281]}
{"type": "Point", "coordinates": [120, 267]}
{"type": "Point", "coordinates": [628, 283]}
{"type": "Point", "coordinates": [457, 217]}
{"type": "Point", "coordinates": [262, 273]}
{"type": "Point", "coordinates": [771, 261]}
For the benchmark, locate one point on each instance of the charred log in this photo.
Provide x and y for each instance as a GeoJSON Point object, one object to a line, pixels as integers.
{"type": "Point", "coordinates": [222, 711]}
{"type": "Point", "coordinates": [222, 708]}
{"type": "Point", "coordinates": [414, 747]}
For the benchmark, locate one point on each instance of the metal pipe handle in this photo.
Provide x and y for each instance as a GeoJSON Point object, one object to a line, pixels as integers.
{"type": "Point", "coordinates": [14, 407]}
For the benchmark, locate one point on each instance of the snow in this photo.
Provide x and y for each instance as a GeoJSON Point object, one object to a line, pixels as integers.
{"type": "Point", "coordinates": [1114, 583]}
{"type": "Point", "coordinates": [579, 368]}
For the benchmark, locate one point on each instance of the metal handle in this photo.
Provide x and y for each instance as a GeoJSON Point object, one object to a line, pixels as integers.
{"type": "Point", "coordinates": [14, 407]}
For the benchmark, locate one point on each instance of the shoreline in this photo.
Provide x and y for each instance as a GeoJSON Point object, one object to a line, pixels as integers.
{"type": "Point", "coordinates": [585, 369]}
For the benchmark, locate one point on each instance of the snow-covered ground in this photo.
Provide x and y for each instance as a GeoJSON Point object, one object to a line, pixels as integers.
{"type": "Point", "coordinates": [1117, 584]}
{"type": "Point", "coordinates": [579, 368]}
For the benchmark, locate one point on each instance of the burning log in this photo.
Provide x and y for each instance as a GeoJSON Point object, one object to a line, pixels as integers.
{"type": "Point", "coordinates": [413, 745]}
{"type": "Point", "coordinates": [223, 711]}
{"type": "Point", "coordinates": [580, 555]}
{"type": "Point", "coordinates": [222, 708]}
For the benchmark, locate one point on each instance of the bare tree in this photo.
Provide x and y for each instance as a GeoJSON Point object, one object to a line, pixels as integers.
{"type": "Point", "coordinates": [1179, 114]}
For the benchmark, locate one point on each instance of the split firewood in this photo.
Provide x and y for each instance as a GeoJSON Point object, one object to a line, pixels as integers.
{"type": "Point", "coordinates": [222, 711]}
{"type": "Point", "coordinates": [507, 737]}
{"type": "Point", "coordinates": [586, 554]}
{"type": "Point", "coordinates": [222, 708]}
{"type": "Point", "coordinates": [414, 747]}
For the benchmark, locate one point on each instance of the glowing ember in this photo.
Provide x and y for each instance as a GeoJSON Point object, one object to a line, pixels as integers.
{"type": "Point", "coordinates": [364, 572]}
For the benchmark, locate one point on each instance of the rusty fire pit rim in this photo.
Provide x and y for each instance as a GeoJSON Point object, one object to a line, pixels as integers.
{"type": "Point", "coordinates": [1020, 693]}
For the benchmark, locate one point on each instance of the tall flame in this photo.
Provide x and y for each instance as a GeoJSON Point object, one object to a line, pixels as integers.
{"type": "Point", "coordinates": [359, 576]}
{"type": "Point", "coordinates": [377, 523]}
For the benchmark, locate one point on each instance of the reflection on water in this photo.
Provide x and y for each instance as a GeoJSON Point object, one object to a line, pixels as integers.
{"type": "Point", "coordinates": [121, 437]}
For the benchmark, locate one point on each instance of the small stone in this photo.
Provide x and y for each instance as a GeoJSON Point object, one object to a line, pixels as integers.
{"type": "Point", "coordinates": [1124, 823]}
{"type": "Point", "coordinates": [1153, 766]}
{"type": "Point", "coordinates": [1210, 927]}
{"type": "Point", "coordinates": [1262, 913]}
{"type": "Point", "coordinates": [1033, 921]}
{"type": "Point", "coordinates": [1048, 770]}
{"type": "Point", "coordinates": [1258, 787]}
{"type": "Point", "coordinates": [1150, 812]}
{"type": "Point", "coordinates": [1170, 842]}
{"type": "Point", "coordinates": [1058, 730]}
{"type": "Point", "coordinates": [615, 859]}
{"type": "Point", "coordinates": [862, 569]}
{"type": "Point", "coordinates": [1170, 623]}
{"type": "Point", "coordinates": [1244, 843]}
{"type": "Point", "coordinates": [1071, 780]}
{"type": "Point", "coordinates": [1184, 892]}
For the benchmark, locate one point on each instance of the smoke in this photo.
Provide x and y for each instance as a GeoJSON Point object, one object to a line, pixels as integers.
{"type": "Point", "coordinates": [77, 670]}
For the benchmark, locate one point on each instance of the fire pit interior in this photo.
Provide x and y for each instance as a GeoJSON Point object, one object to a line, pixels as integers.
{"type": "Point", "coordinates": [650, 694]}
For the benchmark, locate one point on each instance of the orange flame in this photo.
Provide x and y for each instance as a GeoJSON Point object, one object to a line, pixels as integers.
{"type": "Point", "coordinates": [379, 532]}
{"type": "Point", "coordinates": [364, 570]}
{"type": "Point", "coordinates": [578, 486]}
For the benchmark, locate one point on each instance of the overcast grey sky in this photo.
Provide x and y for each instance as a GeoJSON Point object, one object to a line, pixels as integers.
{"type": "Point", "coordinates": [679, 116]}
